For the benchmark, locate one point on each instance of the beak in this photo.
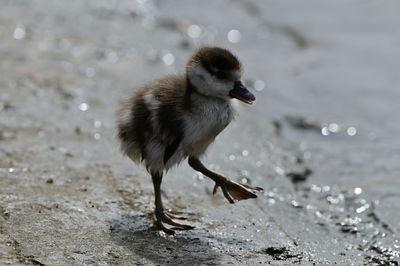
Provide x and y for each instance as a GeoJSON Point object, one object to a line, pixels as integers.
{"type": "Point", "coordinates": [240, 92]}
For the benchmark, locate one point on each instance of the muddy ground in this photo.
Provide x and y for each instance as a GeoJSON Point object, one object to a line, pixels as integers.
{"type": "Point", "coordinates": [322, 137]}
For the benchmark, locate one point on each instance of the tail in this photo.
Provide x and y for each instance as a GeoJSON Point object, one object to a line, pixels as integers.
{"type": "Point", "coordinates": [133, 125]}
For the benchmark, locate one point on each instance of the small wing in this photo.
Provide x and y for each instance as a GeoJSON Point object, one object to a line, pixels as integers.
{"type": "Point", "coordinates": [172, 126]}
{"type": "Point", "coordinates": [171, 148]}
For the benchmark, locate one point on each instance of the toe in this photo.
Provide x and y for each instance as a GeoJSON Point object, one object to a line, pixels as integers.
{"type": "Point", "coordinates": [227, 195]}
{"type": "Point", "coordinates": [215, 188]}
{"type": "Point", "coordinates": [259, 189]}
{"type": "Point", "coordinates": [169, 221]}
{"type": "Point", "coordinates": [166, 230]}
{"type": "Point", "coordinates": [183, 227]}
{"type": "Point", "coordinates": [173, 216]}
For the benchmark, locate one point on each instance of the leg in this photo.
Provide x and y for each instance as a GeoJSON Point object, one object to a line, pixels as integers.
{"type": "Point", "coordinates": [161, 215]}
{"type": "Point", "coordinates": [232, 190]}
{"type": "Point", "coordinates": [157, 178]}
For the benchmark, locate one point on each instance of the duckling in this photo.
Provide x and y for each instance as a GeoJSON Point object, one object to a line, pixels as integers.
{"type": "Point", "coordinates": [178, 117]}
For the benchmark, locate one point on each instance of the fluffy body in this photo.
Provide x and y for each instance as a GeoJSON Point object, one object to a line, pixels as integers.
{"type": "Point", "coordinates": [179, 116]}
{"type": "Point", "coordinates": [168, 116]}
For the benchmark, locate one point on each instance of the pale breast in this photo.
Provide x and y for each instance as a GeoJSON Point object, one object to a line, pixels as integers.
{"type": "Point", "coordinates": [204, 123]}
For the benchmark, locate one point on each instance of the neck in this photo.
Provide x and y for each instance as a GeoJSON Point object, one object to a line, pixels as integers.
{"type": "Point", "coordinates": [200, 100]}
{"type": "Point", "coordinates": [192, 90]}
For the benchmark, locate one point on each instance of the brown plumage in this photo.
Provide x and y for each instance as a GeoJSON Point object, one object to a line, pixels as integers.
{"type": "Point", "coordinates": [179, 116]}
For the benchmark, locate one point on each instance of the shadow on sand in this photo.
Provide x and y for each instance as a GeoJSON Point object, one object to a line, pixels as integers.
{"type": "Point", "coordinates": [135, 233]}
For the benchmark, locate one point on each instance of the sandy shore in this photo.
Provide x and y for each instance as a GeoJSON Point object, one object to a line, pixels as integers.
{"type": "Point", "coordinates": [322, 137]}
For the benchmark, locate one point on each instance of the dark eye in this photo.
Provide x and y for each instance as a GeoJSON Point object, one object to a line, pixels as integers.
{"type": "Point", "coordinates": [222, 75]}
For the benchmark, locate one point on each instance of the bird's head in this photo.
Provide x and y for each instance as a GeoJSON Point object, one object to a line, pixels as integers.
{"type": "Point", "coordinates": [216, 72]}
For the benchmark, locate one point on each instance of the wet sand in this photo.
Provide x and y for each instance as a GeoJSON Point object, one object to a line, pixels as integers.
{"type": "Point", "coordinates": [321, 138]}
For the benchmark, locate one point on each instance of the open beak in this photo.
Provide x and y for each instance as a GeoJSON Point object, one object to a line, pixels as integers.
{"type": "Point", "coordinates": [241, 93]}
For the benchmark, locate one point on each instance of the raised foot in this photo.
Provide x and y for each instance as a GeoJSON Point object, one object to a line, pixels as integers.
{"type": "Point", "coordinates": [234, 191]}
{"type": "Point", "coordinates": [166, 217]}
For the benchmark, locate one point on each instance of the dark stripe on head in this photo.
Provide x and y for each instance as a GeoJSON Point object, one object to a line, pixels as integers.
{"type": "Point", "coordinates": [218, 61]}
